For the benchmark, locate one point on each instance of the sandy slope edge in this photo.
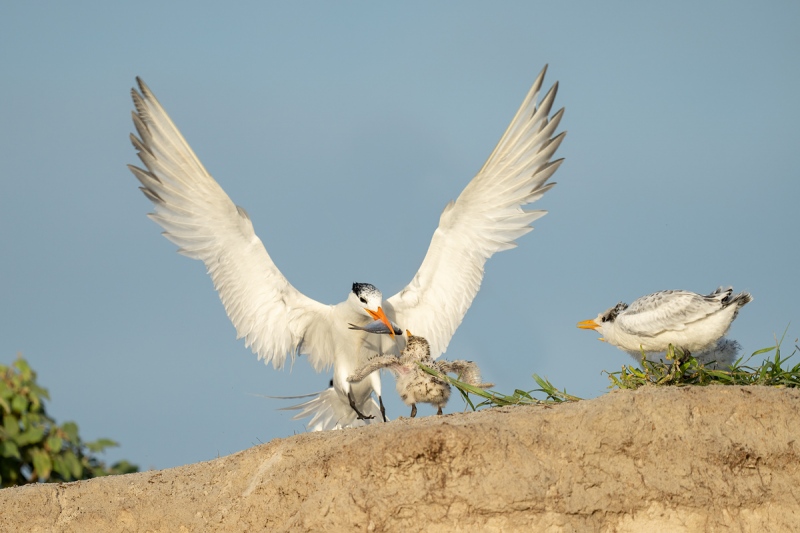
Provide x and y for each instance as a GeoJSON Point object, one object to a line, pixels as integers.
{"type": "Point", "coordinates": [671, 459]}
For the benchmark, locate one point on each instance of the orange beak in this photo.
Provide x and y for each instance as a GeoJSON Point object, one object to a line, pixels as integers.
{"type": "Point", "coordinates": [588, 324]}
{"type": "Point", "coordinates": [380, 315]}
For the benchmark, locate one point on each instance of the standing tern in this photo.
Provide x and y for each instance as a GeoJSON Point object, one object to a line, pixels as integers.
{"type": "Point", "coordinates": [686, 320]}
{"type": "Point", "coordinates": [276, 320]}
{"type": "Point", "coordinates": [414, 385]}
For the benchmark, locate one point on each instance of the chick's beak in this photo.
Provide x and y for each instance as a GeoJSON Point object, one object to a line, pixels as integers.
{"type": "Point", "coordinates": [588, 324]}
{"type": "Point", "coordinates": [380, 315]}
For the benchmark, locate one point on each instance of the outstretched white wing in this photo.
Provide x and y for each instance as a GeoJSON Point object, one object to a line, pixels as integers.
{"type": "Point", "coordinates": [486, 218]}
{"type": "Point", "coordinates": [274, 318]}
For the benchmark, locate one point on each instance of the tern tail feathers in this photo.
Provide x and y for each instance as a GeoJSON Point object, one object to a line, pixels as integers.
{"type": "Point", "coordinates": [328, 411]}
{"type": "Point", "coordinates": [741, 299]}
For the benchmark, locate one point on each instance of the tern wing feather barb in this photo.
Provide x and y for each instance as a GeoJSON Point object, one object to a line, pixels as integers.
{"type": "Point", "coordinates": [486, 218]}
{"type": "Point", "coordinates": [275, 319]}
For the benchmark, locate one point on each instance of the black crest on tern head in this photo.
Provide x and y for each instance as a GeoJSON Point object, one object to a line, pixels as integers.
{"type": "Point", "coordinates": [365, 290]}
{"type": "Point", "coordinates": [612, 313]}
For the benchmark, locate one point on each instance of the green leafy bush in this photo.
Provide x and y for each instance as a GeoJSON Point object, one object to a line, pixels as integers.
{"type": "Point", "coordinates": [33, 448]}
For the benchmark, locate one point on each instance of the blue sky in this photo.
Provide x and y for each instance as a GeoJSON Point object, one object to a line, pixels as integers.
{"type": "Point", "coordinates": [327, 122]}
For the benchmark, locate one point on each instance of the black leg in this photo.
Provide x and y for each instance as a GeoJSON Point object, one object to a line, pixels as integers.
{"type": "Point", "coordinates": [383, 409]}
{"type": "Point", "coordinates": [353, 405]}
{"type": "Point", "coordinates": [413, 410]}
{"type": "Point", "coordinates": [439, 412]}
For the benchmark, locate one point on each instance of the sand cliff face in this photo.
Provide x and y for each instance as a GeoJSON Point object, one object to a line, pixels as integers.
{"type": "Point", "coordinates": [668, 459]}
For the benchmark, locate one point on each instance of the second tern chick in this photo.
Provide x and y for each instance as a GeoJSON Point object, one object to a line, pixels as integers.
{"type": "Point", "coordinates": [414, 384]}
{"type": "Point", "coordinates": [720, 356]}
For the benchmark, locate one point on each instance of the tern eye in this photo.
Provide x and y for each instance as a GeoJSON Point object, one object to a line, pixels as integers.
{"type": "Point", "coordinates": [363, 300]}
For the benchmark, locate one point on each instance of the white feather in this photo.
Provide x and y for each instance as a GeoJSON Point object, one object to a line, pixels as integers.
{"type": "Point", "coordinates": [486, 218]}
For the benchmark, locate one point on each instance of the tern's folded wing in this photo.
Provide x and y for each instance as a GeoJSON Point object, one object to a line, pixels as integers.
{"type": "Point", "coordinates": [673, 310]}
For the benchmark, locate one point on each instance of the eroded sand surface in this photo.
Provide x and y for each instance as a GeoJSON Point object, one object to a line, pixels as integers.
{"type": "Point", "coordinates": [666, 459]}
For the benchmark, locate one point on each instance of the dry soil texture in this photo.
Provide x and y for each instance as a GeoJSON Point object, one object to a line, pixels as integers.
{"type": "Point", "coordinates": [658, 459]}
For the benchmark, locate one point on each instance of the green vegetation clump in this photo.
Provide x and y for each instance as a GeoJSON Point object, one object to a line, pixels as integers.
{"type": "Point", "coordinates": [497, 399]}
{"type": "Point", "coordinates": [678, 370]}
{"type": "Point", "coordinates": [33, 448]}
{"type": "Point", "coordinates": [682, 370]}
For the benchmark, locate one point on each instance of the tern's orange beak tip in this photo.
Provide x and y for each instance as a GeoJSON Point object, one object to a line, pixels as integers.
{"type": "Point", "coordinates": [380, 315]}
{"type": "Point", "coordinates": [588, 324]}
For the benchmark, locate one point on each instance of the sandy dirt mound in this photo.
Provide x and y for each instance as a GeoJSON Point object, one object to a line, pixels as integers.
{"type": "Point", "coordinates": [668, 459]}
